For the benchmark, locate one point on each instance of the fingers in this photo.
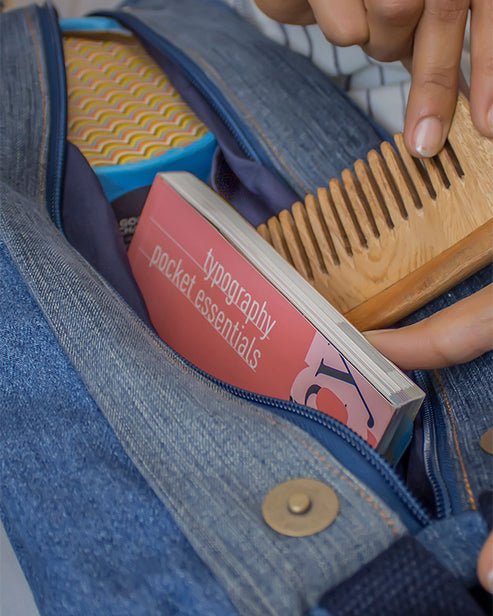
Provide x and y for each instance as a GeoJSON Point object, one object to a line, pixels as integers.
{"type": "Point", "coordinates": [288, 11]}
{"type": "Point", "coordinates": [343, 23]}
{"type": "Point", "coordinates": [435, 74]}
{"type": "Point", "coordinates": [384, 28]}
{"type": "Point", "coordinates": [485, 565]}
{"type": "Point", "coordinates": [391, 25]}
{"type": "Point", "coordinates": [482, 66]}
{"type": "Point", "coordinates": [453, 336]}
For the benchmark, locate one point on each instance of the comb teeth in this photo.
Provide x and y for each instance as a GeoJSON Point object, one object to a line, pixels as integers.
{"type": "Point", "coordinates": [366, 204]}
{"type": "Point", "coordinates": [389, 216]}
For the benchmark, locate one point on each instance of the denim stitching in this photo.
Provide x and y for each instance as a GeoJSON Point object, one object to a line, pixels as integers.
{"type": "Point", "coordinates": [277, 423]}
{"type": "Point", "coordinates": [450, 413]}
{"type": "Point", "coordinates": [330, 466]}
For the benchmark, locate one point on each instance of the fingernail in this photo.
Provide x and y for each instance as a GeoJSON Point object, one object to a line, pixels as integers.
{"type": "Point", "coordinates": [428, 136]}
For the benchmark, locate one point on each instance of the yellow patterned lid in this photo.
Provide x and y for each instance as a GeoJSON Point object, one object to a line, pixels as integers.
{"type": "Point", "coordinates": [121, 106]}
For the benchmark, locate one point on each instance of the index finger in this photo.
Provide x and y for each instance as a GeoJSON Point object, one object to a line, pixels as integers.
{"type": "Point", "coordinates": [437, 52]}
{"type": "Point", "coordinates": [452, 336]}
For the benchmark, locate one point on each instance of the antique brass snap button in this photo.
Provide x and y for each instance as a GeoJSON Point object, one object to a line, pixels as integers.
{"type": "Point", "coordinates": [486, 441]}
{"type": "Point", "coordinates": [300, 507]}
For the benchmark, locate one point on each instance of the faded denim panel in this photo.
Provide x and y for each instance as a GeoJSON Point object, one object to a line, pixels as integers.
{"type": "Point", "coordinates": [308, 127]}
{"type": "Point", "coordinates": [209, 456]}
{"type": "Point", "coordinates": [24, 117]}
{"type": "Point", "coordinates": [90, 226]}
{"type": "Point", "coordinates": [90, 534]}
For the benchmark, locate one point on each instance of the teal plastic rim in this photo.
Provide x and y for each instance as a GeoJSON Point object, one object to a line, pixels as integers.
{"type": "Point", "coordinates": [118, 180]}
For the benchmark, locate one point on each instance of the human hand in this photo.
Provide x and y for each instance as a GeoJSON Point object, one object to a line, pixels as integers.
{"type": "Point", "coordinates": [455, 335]}
{"type": "Point", "coordinates": [432, 32]}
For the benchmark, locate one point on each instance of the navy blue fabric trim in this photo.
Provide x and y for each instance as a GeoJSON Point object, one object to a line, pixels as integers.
{"type": "Point", "coordinates": [90, 226]}
{"type": "Point", "coordinates": [406, 580]}
{"type": "Point", "coordinates": [254, 190]}
{"type": "Point", "coordinates": [56, 80]}
{"type": "Point", "coordinates": [486, 507]}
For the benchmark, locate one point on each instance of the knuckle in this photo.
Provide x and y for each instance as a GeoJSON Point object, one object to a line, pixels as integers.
{"type": "Point", "coordinates": [347, 36]}
{"type": "Point", "coordinates": [397, 12]}
{"type": "Point", "coordinates": [385, 55]}
{"type": "Point", "coordinates": [438, 78]}
{"type": "Point", "coordinates": [448, 10]}
{"type": "Point", "coordinates": [487, 66]}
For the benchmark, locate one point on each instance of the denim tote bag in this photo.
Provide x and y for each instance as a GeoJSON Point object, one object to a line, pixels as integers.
{"type": "Point", "coordinates": [132, 482]}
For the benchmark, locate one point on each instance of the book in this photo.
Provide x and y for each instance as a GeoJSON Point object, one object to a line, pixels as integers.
{"type": "Point", "coordinates": [224, 299]}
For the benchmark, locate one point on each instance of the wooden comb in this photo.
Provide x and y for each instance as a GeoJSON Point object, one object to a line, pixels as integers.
{"type": "Point", "coordinates": [397, 231]}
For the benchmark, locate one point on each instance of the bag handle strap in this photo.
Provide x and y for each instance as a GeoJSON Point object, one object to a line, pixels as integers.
{"type": "Point", "coordinates": [405, 579]}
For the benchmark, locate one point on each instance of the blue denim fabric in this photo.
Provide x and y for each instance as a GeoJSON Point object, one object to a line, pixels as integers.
{"type": "Point", "coordinates": [219, 42]}
{"type": "Point", "coordinates": [131, 482]}
{"type": "Point", "coordinates": [90, 534]}
{"type": "Point", "coordinates": [460, 403]}
{"type": "Point", "coordinates": [289, 105]}
{"type": "Point", "coordinates": [23, 78]}
{"type": "Point", "coordinates": [381, 589]}
{"type": "Point", "coordinates": [456, 542]}
{"type": "Point", "coordinates": [201, 449]}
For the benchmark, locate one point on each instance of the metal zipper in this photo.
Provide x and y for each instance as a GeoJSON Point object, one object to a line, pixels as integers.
{"type": "Point", "coordinates": [367, 453]}
{"type": "Point", "coordinates": [197, 78]}
{"type": "Point", "coordinates": [434, 430]}
{"type": "Point", "coordinates": [58, 111]}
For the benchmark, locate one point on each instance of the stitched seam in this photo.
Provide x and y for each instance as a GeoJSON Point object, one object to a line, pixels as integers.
{"type": "Point", "coordinates": [331, 467]}
{"type": "Point", "coordinates": [272, 420]}
{"type": "Point", "coordinates": [266, 417]}
{"type": "Point", "coordinates": [44, 113]}
{"type": "Point", "coordinates": [450, 413]}
{"type": "Point", "coordinates": [294, 434]}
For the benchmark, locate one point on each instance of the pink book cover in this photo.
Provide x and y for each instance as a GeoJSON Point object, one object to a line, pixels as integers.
{"type": "Point", "coordinates": [213, 307]}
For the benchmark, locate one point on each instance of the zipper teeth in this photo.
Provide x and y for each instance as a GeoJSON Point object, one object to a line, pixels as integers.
{"type": "Point", "coordinates": [383, 468]}
{"type": "Point", "coordinates": [431, 461]}
{"type": "Point", "coordinates": [58, 118]}
{"type": "Point", "coordinates": [158, 42]}
{"type": "Point", "coordinates": [432, 478]}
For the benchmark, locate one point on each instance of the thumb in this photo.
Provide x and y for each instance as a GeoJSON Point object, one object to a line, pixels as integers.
{"type": "Point", "coordinates": [453, 336]}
